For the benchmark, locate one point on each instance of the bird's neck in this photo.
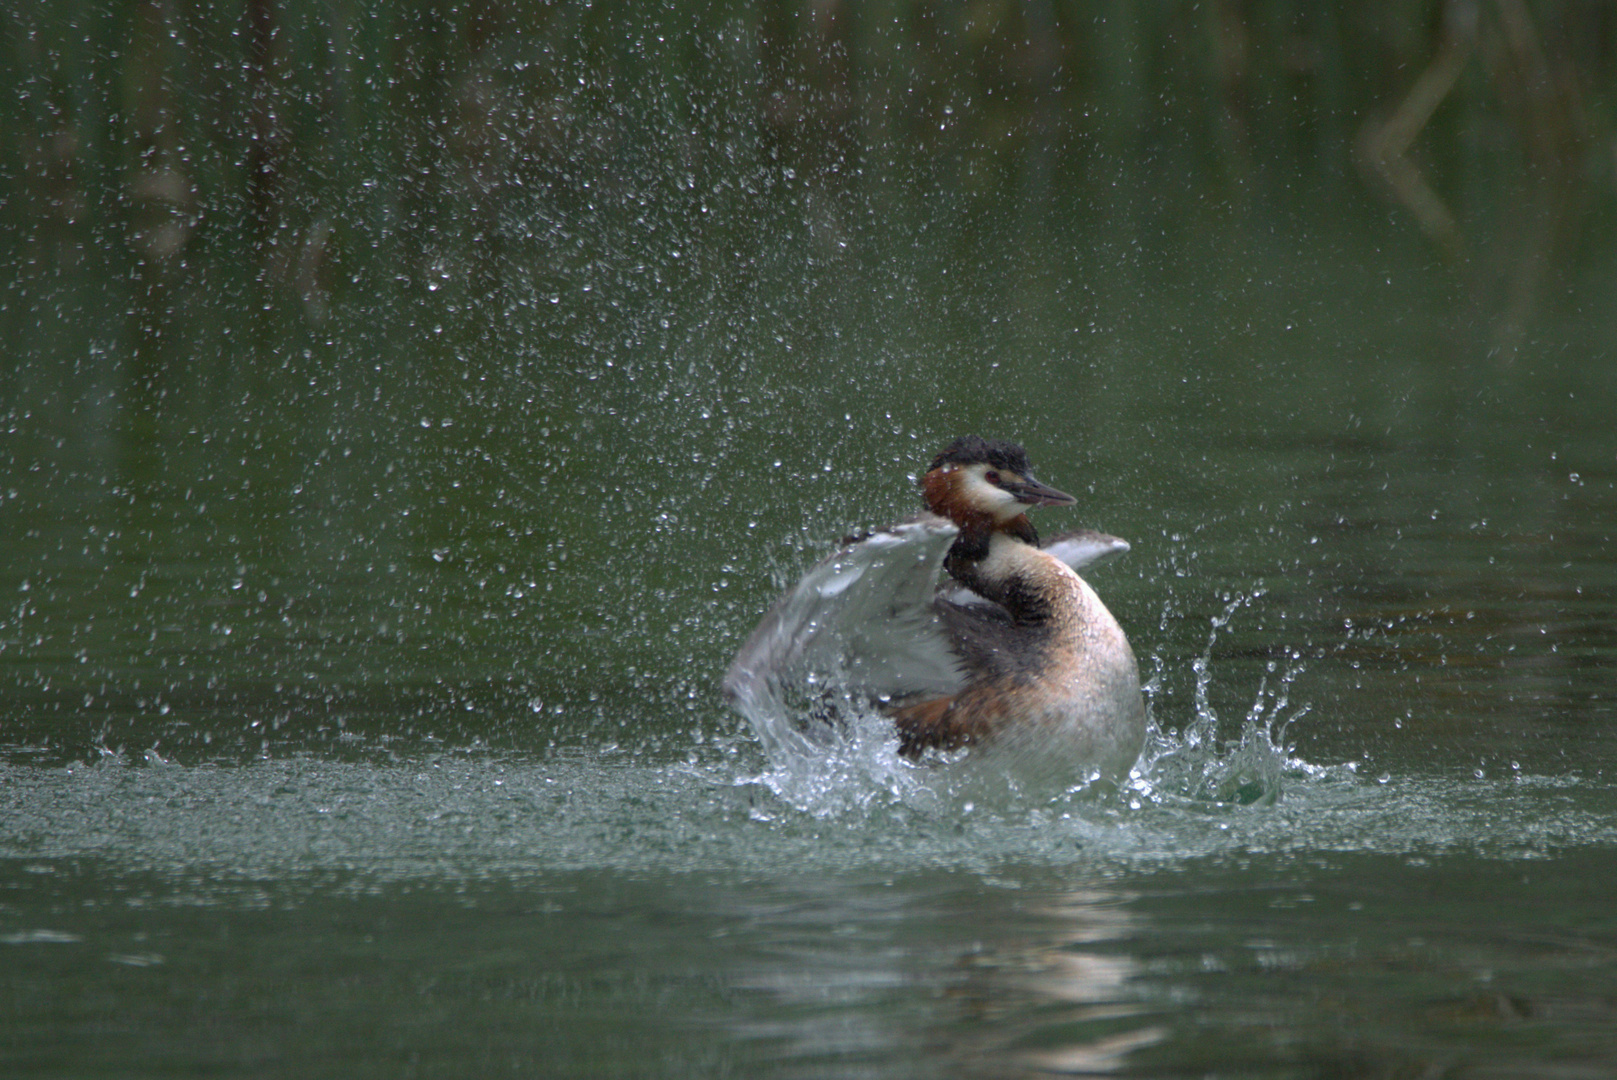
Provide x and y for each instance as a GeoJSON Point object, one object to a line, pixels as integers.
{"type": "Point", "coordinates": [1004, 564]}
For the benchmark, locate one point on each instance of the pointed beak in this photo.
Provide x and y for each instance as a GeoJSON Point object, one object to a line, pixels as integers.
{"type": "Point", "coordinates": [1032, 493]}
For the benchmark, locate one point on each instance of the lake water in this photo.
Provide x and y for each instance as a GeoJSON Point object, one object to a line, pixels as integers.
{"type": "Point", "coordinates": [365, 608]}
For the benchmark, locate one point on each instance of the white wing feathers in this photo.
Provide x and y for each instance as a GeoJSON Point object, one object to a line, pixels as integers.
{"type": "Point", "coordinates": [1085, 547]}
{"type": "Point", "coordinates": [861, 619]}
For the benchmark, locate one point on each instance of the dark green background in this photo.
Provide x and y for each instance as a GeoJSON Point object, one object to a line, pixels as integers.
{"type": "Point", "coordinates": [396, 369]}
{"type": "Point", "coordinates": [409, 409]}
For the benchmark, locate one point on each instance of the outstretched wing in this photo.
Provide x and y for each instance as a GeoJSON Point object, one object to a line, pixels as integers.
{"type": "Point", "coordinates": [861, 621]}
{"type": "Point", "coordinates": [879, 619]}
{"type": "Point", "coordinates": [1085, 547]}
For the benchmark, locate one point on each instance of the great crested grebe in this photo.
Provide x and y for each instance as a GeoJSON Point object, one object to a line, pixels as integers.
{"type": "Point", "coordinates": [1011, 652]}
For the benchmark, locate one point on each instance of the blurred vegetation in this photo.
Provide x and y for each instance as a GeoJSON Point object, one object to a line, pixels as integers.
{"type": "Point", "coordinates": [312, 134]}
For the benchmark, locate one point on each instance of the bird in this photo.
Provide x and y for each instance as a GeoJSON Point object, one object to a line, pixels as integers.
{"type": "Point", "coordinates": [961, 627]}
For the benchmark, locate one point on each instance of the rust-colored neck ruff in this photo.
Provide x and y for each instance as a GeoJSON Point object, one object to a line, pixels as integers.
{"type": "Point", "coordinates": [945, 496]}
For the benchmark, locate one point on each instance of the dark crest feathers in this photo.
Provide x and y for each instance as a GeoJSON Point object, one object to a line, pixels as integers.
{"type": "Point", "coordinates": [973, 450]}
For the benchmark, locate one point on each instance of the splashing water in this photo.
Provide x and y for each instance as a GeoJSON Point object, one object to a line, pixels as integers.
{"type": "Point", "coordinates": [1196, 766]}
{"type": "Point", "coordinates": [853, 766]}
{"type": "Point", "coordinates": [830, 769]}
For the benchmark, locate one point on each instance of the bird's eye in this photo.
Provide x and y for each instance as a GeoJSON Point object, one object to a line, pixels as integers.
{"type": "Point", "coordinates": [991, 476]}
